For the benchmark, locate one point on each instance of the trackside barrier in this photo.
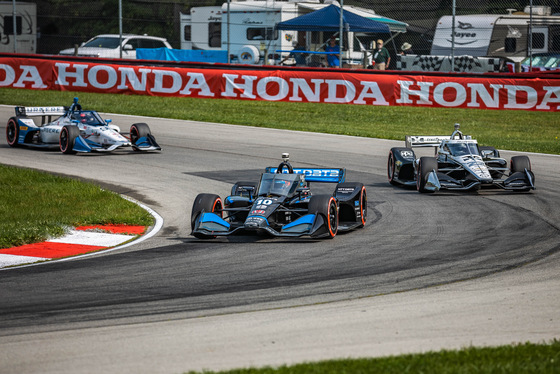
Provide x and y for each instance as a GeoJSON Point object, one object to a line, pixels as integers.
{"type": "Point", "coordinates": [530, 91]}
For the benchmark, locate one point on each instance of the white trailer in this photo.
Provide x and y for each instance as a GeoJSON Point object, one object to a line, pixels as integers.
{"type": "Point", "coordinates": [492, 35]}
{"type": "Point", "coordinates": [251, 28]}
{"type": "Point", "coordinates": [251, 34]}
{"type": "Point", "coordinates": [24, 39]}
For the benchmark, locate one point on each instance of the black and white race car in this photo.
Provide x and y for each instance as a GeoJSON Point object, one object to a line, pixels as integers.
{"type": "Point", "coordinates": [73, 130]}
{"type": "Point", "coordinates": [459, 164]}
{"type": "Point", "coordinates": [281, 204]}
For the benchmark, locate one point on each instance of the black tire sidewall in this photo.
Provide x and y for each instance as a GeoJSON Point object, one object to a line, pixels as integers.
{"type": "Point", "coordinates": [12, 123]}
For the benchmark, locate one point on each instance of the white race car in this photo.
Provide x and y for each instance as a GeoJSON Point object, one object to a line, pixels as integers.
{"type": "Point", "coordinates": [459, 164]}
{"type": "Point", "coordinates": [74, 130]}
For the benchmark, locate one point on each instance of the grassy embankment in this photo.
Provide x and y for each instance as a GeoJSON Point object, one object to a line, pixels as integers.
{"type": "Point", "coordinates": [511, 359]}
{"type": "Point", "coordinates": [35, 206]}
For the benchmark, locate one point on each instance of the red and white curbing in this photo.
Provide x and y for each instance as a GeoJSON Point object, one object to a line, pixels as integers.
{"type": "Point", "coordinates": [81, 240]}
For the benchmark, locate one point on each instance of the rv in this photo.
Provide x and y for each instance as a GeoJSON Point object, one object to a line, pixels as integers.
{"type": "Point", "coordinates": [25, 16]}
{"type": "Point", "coordinates": [492, 35]}
{"type": "Point", "coordinates": [252, 38]}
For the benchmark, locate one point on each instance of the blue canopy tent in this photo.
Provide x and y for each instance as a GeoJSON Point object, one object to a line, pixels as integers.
{"type": "Point", "coordinates": [330, 19]}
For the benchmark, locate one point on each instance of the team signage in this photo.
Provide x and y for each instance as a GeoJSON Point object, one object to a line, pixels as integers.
{"type": "Point", "coordinates": [320, 86]}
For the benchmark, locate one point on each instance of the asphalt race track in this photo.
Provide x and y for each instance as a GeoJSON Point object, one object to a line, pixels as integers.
{"type": "Point", "coordinates": [429, 271]}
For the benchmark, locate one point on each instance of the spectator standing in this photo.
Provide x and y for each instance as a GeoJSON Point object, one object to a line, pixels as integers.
{"type": "Point", "coordinates": [381, 57]}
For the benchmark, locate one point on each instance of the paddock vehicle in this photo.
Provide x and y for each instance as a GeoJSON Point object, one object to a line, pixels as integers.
{"type": "Point", "coordinates": [74, 130]}
{"type": "Point", "coordinates": [282, 204]}
{"type": "Point", "coordinates": [459, 164]}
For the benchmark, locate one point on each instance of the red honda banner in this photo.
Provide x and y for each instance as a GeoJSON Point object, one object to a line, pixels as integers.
{"type": "Point", "coordinates": [538, 93]}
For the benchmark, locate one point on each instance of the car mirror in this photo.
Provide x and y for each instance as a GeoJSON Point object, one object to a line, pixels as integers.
{"type": "Point", "coordinates": [128, 47]}
{"type": "Point", "coordinates": [108, 121]}
{"type": "Point", "coordinates": [487, 153]}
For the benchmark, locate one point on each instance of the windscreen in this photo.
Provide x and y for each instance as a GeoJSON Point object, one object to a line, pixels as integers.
{"type": "Point", "coordinates": [103, 42]}
{"type": "Point", "coordinates": [463, 149]}
{"type": "Point", "coordinates": [278, 184]}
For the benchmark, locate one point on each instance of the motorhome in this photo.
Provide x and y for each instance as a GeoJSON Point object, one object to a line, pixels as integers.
{"type": "Point", "coordinates": [492, 35]}
{"type": "Point", "coordinates": [246, 29]}
{"type": "Point", "coordinates": [24, 39]}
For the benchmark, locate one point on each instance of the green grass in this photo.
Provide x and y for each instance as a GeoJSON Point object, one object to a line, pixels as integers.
{"type": "Point", "coordinates": [525, 358]}
{"type": "Point", "coordinates": [35, 206]}
{"type": "Point", "coordinates": [504, 129]}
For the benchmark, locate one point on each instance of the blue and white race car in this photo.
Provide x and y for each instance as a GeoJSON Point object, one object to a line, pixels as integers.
{"type": "Point", "coordinates": [281, 204]}
{"type": "Point", "coordinates": [459, 164]}
{"type": "Point", "coordinates": [74, 130]}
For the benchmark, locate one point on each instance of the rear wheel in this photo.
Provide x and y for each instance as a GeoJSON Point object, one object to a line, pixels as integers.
{"type": "Point", "coordinates": [139, 130]}
{"type": "Point", "coordinates": [208, 203]}
{"type": "Point", "coordinates": [12, 132]}
{"type": "Point", "coordinates": [363, 206]}
{"type": "Point", "coordinates": [391, 167]}
{"type": "Point", "coordinates": [520, 163]}
{"type": "Point", "coordinates": [425, 166]}
{"type": "Point", "coordinates": [327, 207]}
{"type": "Point", "coordinates": [68, 136]}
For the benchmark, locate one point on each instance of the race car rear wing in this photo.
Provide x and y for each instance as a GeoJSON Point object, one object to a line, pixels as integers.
{"type": "Point", "coordinates": [424, 141]}
{"type": "Point", "coordinates": [31, 111]}
{"type": "Point", "coordinates": [316, 174]}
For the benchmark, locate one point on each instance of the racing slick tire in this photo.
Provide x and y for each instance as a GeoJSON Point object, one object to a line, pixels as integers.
{"type": "Point", "coordinates": [425, 167]}
{"type": "Point", "coordinates": [205, 202]}
{"type": "Point", "coordinates": [519, 163]}
{"type": "Point", "coordinates": [326, 206]}
{"type": "Point", "coordinates": [137, 131]}
{"type": "Point", "coordinates": [363, 206]}
{"type": "Point", "coordinates": [68, 136]}
{"type": "Point", "coordinates": [12, 132]}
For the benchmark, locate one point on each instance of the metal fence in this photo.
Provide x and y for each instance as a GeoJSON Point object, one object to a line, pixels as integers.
{"type": "Point", "coordinates": [61, 24]}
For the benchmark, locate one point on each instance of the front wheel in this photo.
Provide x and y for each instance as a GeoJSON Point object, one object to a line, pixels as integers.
{"type": "Point", "coordinates": [425, 166]}
{"type": "Point", "coordinates": [12, 132]}
{"type": "Point", "coordinates": [139, 130]}
{"type": "Point", "coordinates": [327, 207]}
{"type": "Point", "coordinates": [519, 163]}
{"type": "Point", "coordinates": [205, 203]}
{"type": "Point", "coordinates": [68, 136]}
